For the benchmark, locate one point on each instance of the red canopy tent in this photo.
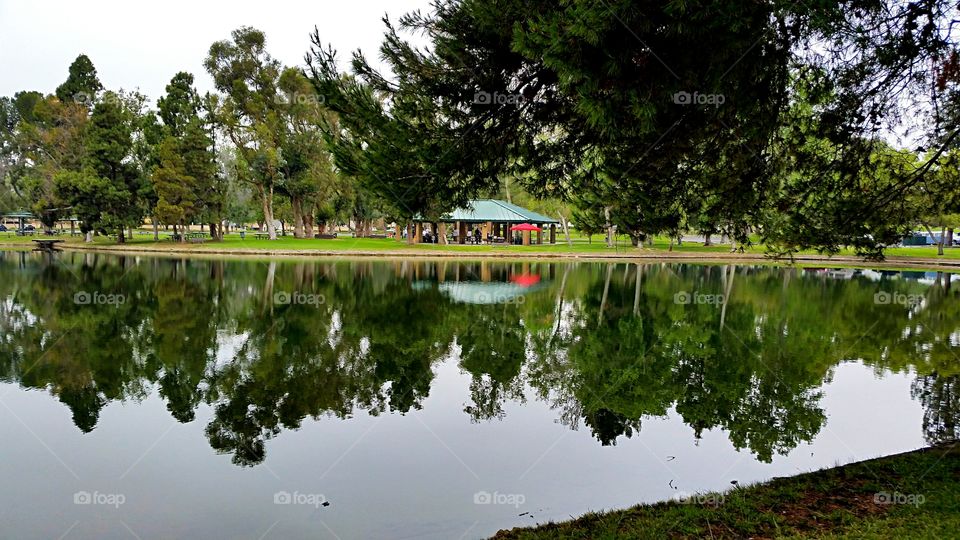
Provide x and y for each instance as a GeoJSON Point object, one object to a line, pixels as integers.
{"type": "Point", "coordinates": [526, 228]}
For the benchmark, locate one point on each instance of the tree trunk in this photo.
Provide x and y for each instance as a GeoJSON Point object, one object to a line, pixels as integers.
{"type": "Point", "coordinates": [932, 237]}
{"type": "Point", "coordinates": [89, 237]}
{"type": "Point", "coordinates": [609, 226]}
{"type": "Point", "coordinates": [949, 237]}
{"type": "Point", "coordinates": [121, 237]}
{"type": "Point", "coordinates": [566, 230]}
{"type": "Point", "coordinates": [297, 206]}
{"type": "Point", "coordinates": [266, 198]}
{"type": "Point", "coordinates": [156, 231]}
{"type": "Point", "coordinates": [706, 240]}
{"type": "Point", "coordinates": [215, 234]}
{"type": "Point", "coordinates": [308, 225]}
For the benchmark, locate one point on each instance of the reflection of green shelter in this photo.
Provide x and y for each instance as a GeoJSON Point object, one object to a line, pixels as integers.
{"type": "Point", "coordinates": [479, 292]}
{"type": "Point", "coordinates": [494, 219]}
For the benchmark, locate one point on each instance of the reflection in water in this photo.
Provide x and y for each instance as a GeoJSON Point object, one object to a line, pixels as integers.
{"type": "Point", "coordinates": [266, 344]}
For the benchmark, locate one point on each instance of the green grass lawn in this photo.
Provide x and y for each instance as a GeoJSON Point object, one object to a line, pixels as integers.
{"type": "Point", "coordinates": [343, 243]}
{"type": "Point", "coordinates": [581, 244]}
{"type": "Point", "coordinates": [853, 501]}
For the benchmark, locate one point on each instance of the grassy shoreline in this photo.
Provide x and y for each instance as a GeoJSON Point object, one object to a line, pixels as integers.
{"type": "Point", "coordinates": [347, 247]}
{"type": "Point", "coordinates": [910, 495]}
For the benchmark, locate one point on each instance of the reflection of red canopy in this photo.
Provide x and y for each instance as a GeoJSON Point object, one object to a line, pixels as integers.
{"type": "Point", "coordinates": [524, 227]}
{"type": "Point", "coordinates": [526, 280]}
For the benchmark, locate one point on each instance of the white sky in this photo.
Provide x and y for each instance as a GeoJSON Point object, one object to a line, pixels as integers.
{"type": "Point", "coordinates": [141, 45]}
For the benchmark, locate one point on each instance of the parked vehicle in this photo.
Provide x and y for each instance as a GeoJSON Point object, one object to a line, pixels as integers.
{"type": "Point", "coordinates": [3, 228]}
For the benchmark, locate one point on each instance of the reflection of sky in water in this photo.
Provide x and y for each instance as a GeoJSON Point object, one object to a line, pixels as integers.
{"type": "Point", "coordinates": [397, 476]}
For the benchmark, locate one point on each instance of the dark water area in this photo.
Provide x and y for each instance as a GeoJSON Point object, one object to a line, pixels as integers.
{"type": "Point", "coordinates": [172, 398]}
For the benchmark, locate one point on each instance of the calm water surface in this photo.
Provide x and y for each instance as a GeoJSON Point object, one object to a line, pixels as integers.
{"type": "Point", "coordinates": [173, 398]}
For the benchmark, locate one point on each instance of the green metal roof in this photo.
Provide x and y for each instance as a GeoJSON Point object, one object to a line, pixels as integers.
{"type": "Point", "coordinates": [483, 210]}
{"type": "Point", "coordinates": [20, 214]}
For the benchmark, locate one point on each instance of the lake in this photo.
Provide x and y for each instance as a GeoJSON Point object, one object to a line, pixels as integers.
{"type": "Point", "coordinates": [178, 397]}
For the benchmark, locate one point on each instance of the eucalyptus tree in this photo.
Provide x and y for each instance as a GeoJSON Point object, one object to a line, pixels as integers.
{"type": "Point", "coordinates": [247, 77]}
{"type": "Point", "coordinates": [308, 173]}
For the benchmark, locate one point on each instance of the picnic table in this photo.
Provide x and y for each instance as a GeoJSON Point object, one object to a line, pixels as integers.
{"type": "Point", "coordinates": [197, 238]}
{"type": "Point", "coordinates": [262, 236]}
{"type": "Point", "coordinates": [47, 245]}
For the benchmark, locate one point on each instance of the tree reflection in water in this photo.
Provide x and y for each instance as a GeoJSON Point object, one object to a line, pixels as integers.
{"type": "Point", "coordinates": [742, 349]}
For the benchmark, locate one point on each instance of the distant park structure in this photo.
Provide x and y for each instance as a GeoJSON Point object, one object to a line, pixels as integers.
{"type": "Point", "coordinates": [488, 221]}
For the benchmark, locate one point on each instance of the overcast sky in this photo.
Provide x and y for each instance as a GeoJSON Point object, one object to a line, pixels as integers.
{"type": "Point", "coordinates": [142, 45]}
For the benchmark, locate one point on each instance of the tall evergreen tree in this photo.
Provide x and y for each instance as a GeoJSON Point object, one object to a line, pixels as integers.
{"type": "Point", "coordinates": [82, 86]}
{"type": "Point", "coordinates": [186, 174]}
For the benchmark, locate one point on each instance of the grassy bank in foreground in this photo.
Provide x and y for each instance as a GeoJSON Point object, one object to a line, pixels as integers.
{"type": "Point", "coordinates": [911, 495]}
